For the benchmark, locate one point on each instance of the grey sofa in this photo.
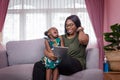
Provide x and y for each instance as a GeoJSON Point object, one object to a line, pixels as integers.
{"type": "Point", "coordinates": [18, 58]}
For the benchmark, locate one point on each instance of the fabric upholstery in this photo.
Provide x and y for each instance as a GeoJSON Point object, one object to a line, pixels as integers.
{"type": "Point", "coordinates": [84, 75]}
{"type": "Point", "coordinates": [3, 58]}
{"type": "Point", "coordinates": [17, 72]}
{"type": "Point", "coordinates": [92, 58]}
{"type": "Point", "coordinates": [21, 52]}
{"type": "Point", "coordinates": [21, 56]}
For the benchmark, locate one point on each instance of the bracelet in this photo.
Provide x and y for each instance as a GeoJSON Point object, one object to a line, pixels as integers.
{"type": "Point", "coordinates": [79, 30]}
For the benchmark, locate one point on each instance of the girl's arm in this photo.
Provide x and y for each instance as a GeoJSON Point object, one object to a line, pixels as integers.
{"type": "Point", "coordinates": [82, 37]}
{"type": "Point", "coordinates": [50, 55]}
{"type": "Point", "coordinates": [48, 52]}
{"type": "Point", "coordinates": [47, 46]}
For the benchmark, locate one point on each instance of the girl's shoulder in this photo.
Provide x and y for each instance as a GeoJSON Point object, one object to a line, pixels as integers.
{"type": "Point", "coordinates": [47, 39]}
{"type": "Point", "coordinates": [58, 39]}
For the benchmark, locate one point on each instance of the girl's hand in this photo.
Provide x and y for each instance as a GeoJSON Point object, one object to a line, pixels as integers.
{"type": "Point", "coordinates": [52, 56]}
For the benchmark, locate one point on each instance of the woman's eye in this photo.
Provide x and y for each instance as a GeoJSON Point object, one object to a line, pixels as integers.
{"type": "Point", "coordinates": [69, 25]}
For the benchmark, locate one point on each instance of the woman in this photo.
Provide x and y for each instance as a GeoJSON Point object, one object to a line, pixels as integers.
{"type": "Point", "coordinates": [76, 41]}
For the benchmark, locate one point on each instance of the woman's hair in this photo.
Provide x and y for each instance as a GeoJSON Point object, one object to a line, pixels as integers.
{"type": "Point", "coordinates": [75, 19]}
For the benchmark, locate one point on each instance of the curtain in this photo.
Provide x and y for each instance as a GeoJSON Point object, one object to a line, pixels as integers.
{"type": "Point", "coordinates": [96, 13]}
{"type": "Point", "coordinates": [29, 19]}
{"type": "Point", "coordinates": [3, 11]}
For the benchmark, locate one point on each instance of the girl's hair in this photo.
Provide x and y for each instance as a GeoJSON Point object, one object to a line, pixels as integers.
{"type": "Point", "coordinates": [46, 33]}
{"type": "Point", "coordinates": [75, 19]}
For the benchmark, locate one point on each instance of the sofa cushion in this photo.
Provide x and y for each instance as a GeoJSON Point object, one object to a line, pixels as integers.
{"type": "Point", "coordinates": [26, 51]}
{"type": "Point", "coordinates": [92, 59]}
{"type": "Point", "coordinates": [3, 58]}
{"type": "Point", "coordinates": [24, 72]}
{"type": "Point", "coordinates": [88, 74]}
{"type": "Point", "coordinates": [17, 72]}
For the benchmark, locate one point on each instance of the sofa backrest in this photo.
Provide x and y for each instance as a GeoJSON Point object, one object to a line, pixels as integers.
{"type": "Point", "coordinates": [31, 51]}
{"type": "Point", "coordinates": [26, 51]}
{"type": "Point", "coordinates": [92, 59]}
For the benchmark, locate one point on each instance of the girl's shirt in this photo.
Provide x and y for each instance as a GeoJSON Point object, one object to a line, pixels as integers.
{"type": "Point", "coordinates": [53, 43]}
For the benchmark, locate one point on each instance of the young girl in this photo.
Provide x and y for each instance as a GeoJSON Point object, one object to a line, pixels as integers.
{"type": "Point", "coordinates": [52, 40]}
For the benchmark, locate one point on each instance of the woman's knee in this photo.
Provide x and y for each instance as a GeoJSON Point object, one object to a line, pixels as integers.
{"type": "Point", "coordinates": [39, 65]}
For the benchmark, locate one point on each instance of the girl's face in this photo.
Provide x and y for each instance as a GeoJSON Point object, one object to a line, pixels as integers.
{"type": "Point", "coordinates": [70, 27]}
{"type": "Point", "coordinates": [53, 32]}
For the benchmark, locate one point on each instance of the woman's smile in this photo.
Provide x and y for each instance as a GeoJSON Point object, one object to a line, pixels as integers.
{"type": "Point", "coordinates": [69, 31]}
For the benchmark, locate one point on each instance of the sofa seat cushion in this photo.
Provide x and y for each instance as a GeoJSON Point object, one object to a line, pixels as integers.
{"type": "Point", "coordinates": [88, 74]}
{"type": "Point", "coordinates": [17, 72]}
{"type": "Point", "coordinates": [24, 72]}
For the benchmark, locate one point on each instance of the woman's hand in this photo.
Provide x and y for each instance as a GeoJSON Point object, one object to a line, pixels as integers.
{"type": "Point", "coordinates": [83, 38]}
{"type": "Point", "coordinates": [80, 29]}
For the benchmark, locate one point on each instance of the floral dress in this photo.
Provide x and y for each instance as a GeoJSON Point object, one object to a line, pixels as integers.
{"type": "Point", "coordinates": [51, 64]}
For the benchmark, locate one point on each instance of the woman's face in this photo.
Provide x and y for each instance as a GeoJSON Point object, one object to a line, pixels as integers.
{"type": "Point", "coordinates": [70, 27]}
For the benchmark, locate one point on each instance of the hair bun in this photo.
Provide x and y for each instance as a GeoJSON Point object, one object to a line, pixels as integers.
{"type": "Point", "coordinates": [46, 33]}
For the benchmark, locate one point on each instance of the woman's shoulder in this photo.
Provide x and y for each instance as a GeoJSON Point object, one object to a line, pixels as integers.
{"type": "Point", "coordinates": [63, 36]}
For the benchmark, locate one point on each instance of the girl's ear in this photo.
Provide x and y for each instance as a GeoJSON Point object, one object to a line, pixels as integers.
{"type": "Point", "coordinates": [48, 33]}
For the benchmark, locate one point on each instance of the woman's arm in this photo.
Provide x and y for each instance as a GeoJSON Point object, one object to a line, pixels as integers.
{"type": "Point", "coordinates": [82, 37]}
{"type": "Point", "coordinates": [62, 43]}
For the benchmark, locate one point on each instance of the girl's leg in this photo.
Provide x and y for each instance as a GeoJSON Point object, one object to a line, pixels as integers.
{"type": "Point", "coordinates": [39, 71]}
{"type": "Point", "coordinates": [69, 65]}
{"type": "Point", "coordinates": [48, 74]}
{"type": "Point", "coordinates": [55, 74]}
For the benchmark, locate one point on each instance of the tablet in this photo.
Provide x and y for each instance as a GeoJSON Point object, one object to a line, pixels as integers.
{"type": "Point", "coordinates": [60, 51]}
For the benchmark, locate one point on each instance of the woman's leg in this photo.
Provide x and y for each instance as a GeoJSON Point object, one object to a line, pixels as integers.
{"type": "Point", "coordinates": [39, 71]}
{"type": "Point", "coordinates": [55, 74]}
{"type": "Point", "coordinates": [48, 74]}
{"type": "Point", "coordinates": [69, 65]}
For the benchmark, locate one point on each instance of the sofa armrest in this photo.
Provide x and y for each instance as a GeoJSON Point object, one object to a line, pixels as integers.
{"type": "Point", "coordinates": [92, 58]}
{"type": "Point", "coordinates": [3, 58]}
